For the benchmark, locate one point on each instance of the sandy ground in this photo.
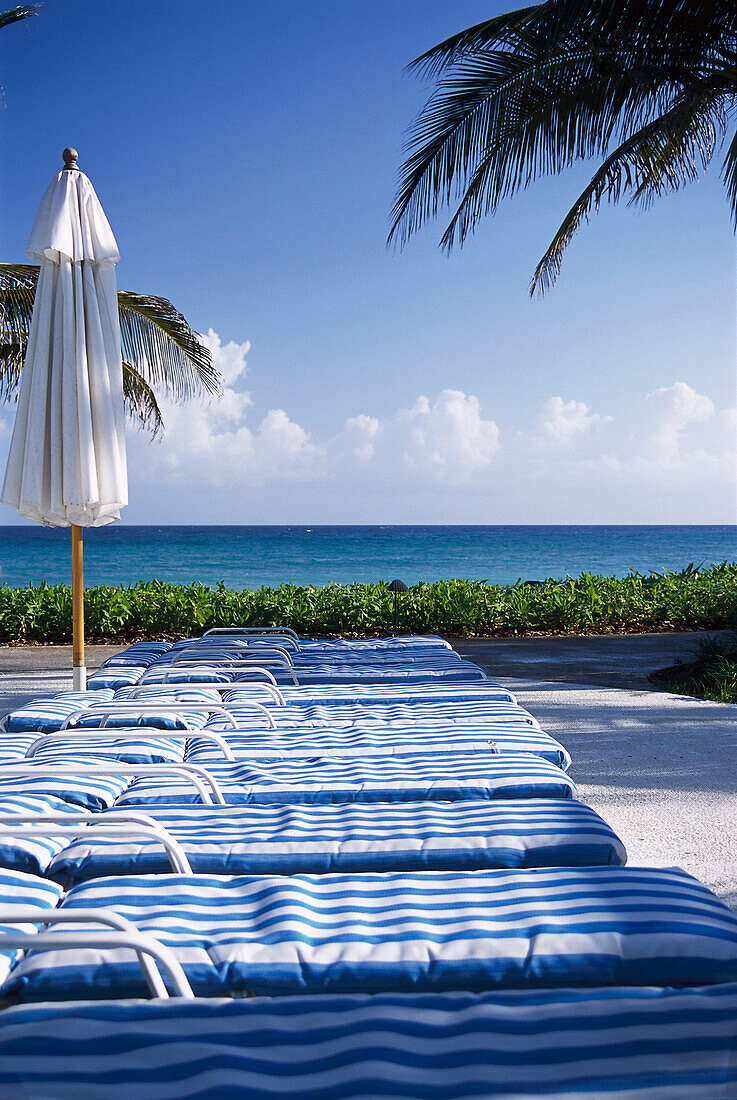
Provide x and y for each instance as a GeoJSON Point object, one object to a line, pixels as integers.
{"type": "Point", "coordinates": [661, 769]}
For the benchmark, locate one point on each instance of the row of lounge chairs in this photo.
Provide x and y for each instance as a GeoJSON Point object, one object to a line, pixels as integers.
{"type": "Point", "coordinates": [252, 864]}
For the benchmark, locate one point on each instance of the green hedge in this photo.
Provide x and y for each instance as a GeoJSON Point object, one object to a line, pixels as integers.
{"type": "Point", "coordinates": [692, 599]}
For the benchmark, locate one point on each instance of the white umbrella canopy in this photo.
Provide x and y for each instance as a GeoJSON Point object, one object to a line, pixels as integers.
{"type": "Point", "coordinates": [66, 464]}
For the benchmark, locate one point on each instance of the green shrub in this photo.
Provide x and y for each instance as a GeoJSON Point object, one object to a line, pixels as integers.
{"type": "Point", "coordinates": [692, 599]}
{"type": "Point", "coordinates": [713, 675]}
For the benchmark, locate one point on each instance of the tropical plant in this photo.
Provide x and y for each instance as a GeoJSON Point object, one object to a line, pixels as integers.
{"type": "Point", "coordinates": [648, 87]}
{"type": "Point", "coordinates": [161, 352]}
{"type": "Point", "coordinates": [692, 599]}
{"type": "Point", "coordinates": [160, 349]}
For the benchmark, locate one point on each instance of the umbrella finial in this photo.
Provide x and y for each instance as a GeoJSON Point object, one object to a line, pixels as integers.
{"type": "Point", "coordinates": [70, 160]}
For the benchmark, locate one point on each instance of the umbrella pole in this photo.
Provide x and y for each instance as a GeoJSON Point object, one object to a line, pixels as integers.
{"type": "Point", "coordinates": [79, 670]}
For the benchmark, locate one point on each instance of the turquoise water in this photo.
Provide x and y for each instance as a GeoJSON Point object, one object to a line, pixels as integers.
{"type": "Point", "coordinates": [247, 557]}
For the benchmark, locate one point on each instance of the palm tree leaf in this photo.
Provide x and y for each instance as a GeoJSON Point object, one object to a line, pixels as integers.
{"type": "Point", "coordinates": [483, 36]}
{"type": "Point", "coordinates": [663, 155]}
{"type": "Point", "coordinates": [729, 175]}
{"type": "Point", "coordinates": [17, 292]}
{"type": "Point", "coordinates": [166, 350]}
{"type": "Point", "coordinates": [502, 119]}
{"type": "Point", "coordinates": [24, 11]}
{"type": "Point", "coordinates": [158, 345]}
{"type": "Point", "coordinates": [140, 400]}
{"type": "Point", "coordinates": [527, 93]}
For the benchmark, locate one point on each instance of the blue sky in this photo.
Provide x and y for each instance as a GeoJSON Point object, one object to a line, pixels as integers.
{"type": "Point", "coordinates": [245, 153]}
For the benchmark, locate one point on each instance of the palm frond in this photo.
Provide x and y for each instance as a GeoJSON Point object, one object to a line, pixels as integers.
{"type": "Point", "coordinates": [484, 36]}
{"type": "Point", "coordinates": [528, 93]}
{"type": "Point", "coordinates": [17, 292]}
{"type": "Point", "coordinates": [14, 15]}
{"type": "Point", "coordinates": [503, 119]}
{"type": "Point", "coordinates": [160, 349]}
{"type": "Point", "coordinates": [729, 176]}
{"type": "Point", "coordinates": [165, 349]}
{"type": "Point", "coordinates": [663, 155]}
{"type": "Point", "coordinates": [140, 400]}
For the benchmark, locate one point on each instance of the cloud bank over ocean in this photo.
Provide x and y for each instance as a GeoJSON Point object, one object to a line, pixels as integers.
{"type": "Point", "coordinates": [443, 459]}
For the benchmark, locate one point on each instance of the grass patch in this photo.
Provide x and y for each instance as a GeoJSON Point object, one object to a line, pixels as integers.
{"type": "Point", "coordinates": [712, 675]}
{"type": "Point", "coordinates": [690, 600]}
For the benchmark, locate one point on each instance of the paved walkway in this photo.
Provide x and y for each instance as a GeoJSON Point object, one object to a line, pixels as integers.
{"type": "Point", "coordinates": [661, 769]}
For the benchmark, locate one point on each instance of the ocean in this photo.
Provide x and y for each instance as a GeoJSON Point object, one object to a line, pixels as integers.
{"type": "Point", "coordinates": [248, 557]}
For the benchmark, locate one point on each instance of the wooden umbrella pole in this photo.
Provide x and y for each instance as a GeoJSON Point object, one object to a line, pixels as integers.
{"type": "Point", "coordinates": [79, 670]}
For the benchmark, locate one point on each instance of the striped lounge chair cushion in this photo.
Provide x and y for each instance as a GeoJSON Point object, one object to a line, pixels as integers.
{"type": "Point", "coordinates": [447, 777]}
{"type": "Point", "coordinates": [627, 1044]}
{"type": "Point", "coordinates": [414, 836]}
{"type": "Point", "coordinates": [382, 713]}
{"type": "Point", "coordinates": [378, 741]}
{"type": "Point", "coordinates": [47, 715]}
{"type": "Point", "coordinates": [182, 674]}
{"type": "Point", "coordinates": [32, 854]}
{"type": "Point", "coordinates": [411, 931]}
{"type": "Point", "coordinates": [189, 719]}
{"type": "Point", "coordinates": [370, 694]}
{"type": "Point", "coordinates": [14, 746]}
{"type": "Point", "coordinates": [115, 678]}
{"type": "Point", "coordinates": [144, 648]}
{"type": "Point", "coordinates": [163, 693]}
{"type": "Point", "coordinates": [413, 661]}
{"type": "Point", "coordinates": [401, 643]}
{"type": "Point", "coordinates": [461, 671]}
{"type": "Point", "coordinates": [144, 750]}
{"type": "Point", "coordinates": [94, 792]}
{"type": "Point", "coordinates": [19, 888]}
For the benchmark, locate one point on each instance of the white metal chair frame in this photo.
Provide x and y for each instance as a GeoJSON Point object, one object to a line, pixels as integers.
{"type": "Point", "coordinates": [193, 773]}
{"type": "Point", "coordinates": [247, 631]}
{"type": "Point", "coordinates": [141, 691]}
{"type": "Point", "coordinates": [124, 824]}
{"type": "Point", "coordinates": [121, 932]}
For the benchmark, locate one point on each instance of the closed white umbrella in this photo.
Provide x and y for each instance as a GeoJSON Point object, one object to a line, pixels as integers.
{"type": "Point", "coordinates": [66, 465]}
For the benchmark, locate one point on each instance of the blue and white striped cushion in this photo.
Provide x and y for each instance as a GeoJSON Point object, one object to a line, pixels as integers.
{"type": "Point", "coordinates": [431, 930]}
{"type": "Point", "coordinates": [188, 719]}
{"type": "Point", "coordinates": [47, 715]}
{"type": "Point", "coordinates": [369, 694]}
{"type": "Point", "coordinates": [145, 648]}
{"type": "Point", "coordinates": [462, 671]}
{"type": "Point", "coordinates": [94, 792]}
{"type": "Point", "coordinates": [347, 661]}
{"type": "Point", "coordinates": [362, 713]}
{"type": "Point", "coordinates": [144, 750]}
{"type": "Point", "coordinates": [623, 1044]}
{"type": "Point", "coordinates": [32, 854]}
{"type": "Point", "coordinates": [401, 643]}
{"type": "Point", "coordinates": [181, 674]}
{"type": "Point", "coordinates": [447, 777]}
{"type": "Point", "coordinates": [19, 888]}
{"type": "Point", "coordinates": [378, 741]}
{"type": "Point", "coordinates": [115, 678]}
{"type": "Point", "coordinates": [413, 836]}
{"type": "Point", "coordinates": [163, 693]}
{"type": "Point", "coordinates": [14, 746]}
{"type": "Point", "coordinates": [123, 660]}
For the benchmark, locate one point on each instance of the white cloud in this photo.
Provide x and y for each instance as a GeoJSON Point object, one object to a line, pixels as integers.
{"type": "Point", "coordinates": [209, 445]}
{"type": "Point", "coordinates": [230, 359]}
{"type": "Point", "coordinates": [570, 464]}
{"type": "Point", "coordinates": [448, 439]}
{"type": "Point", "coordinates": [675, 410]}
{"type": "Point", "coordinates": [563, 423]}
{"type": "Point", "coordinates": [359, 436]}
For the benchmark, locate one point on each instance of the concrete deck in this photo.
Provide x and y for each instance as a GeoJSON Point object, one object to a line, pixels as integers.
{"type": "Point", "coordinates": [660, 768]}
